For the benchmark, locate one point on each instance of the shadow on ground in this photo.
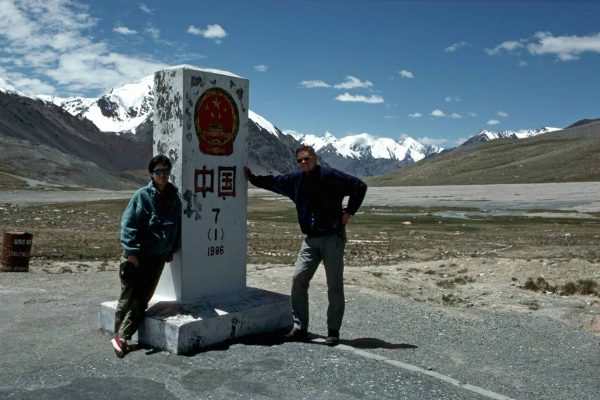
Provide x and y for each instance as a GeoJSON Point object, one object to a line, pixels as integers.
{"type": "Point", "coordinates": [277, 338]}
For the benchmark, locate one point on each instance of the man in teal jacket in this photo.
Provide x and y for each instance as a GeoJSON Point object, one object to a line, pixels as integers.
{"type": "Point", "coordinates": [318, 193]}
{"type": "Point", "coordinates": [150, 234]}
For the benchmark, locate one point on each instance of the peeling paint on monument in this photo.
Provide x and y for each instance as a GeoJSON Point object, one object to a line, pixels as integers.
{"type": "Point", "coordinates": [197, 81]}
{"type": "Point", "coordinates": [189, 119]}
{"type": "Point", "coordinates": [193, 205]}
{"type": "Point", "coordinates": [168, 116]}
{"type": "Point", "coordinates": [167, 109]}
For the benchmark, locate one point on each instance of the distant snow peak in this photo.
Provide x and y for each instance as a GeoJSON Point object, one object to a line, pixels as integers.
{"type": "Point", "coordinates": [365, 145]}
{"type": "Point", "coordinates": [485, 135]}
{"type": "Point", "coordinates": [123, 109]}
{"type": "Point", "coordinates": [263, 123]}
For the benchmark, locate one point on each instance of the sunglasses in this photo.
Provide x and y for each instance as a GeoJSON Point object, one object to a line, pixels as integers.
{"type": "Point", "coordinates": [161, 171]}
{"type": "Point", "coordinates": [303, 159]}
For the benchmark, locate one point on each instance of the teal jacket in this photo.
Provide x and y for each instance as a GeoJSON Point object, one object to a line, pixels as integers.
{"type": "Point", "coordinates": [151, 223]}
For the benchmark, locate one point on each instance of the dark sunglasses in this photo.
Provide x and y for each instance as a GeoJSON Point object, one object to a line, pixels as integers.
{"type": "Point", "coordinates": [161, 171]}
{"type": "Point", "coordinates": [300, 160]}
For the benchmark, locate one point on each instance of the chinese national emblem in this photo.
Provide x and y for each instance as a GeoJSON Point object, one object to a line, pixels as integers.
{"type": "Point", "coordinates": [217, 122]}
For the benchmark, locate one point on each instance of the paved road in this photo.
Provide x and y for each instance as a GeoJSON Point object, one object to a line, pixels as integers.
{"type": "Point", "coordinates": [392, 349]}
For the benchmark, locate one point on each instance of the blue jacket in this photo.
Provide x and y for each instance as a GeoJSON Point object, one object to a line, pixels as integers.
{"type": "Point", "coordinates": [151, 223]}
{"type": "Point", "coordinates": [318, 196]}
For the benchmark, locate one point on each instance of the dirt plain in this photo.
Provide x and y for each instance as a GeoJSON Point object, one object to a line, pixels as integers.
{"type": "Point", "coordinates": [451, 256]}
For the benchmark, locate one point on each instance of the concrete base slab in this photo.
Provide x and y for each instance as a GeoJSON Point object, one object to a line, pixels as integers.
{"type": "Point", "coordinates": [182, 328]}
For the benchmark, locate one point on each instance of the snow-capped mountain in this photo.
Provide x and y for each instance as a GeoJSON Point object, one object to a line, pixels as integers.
{"type": "Point", "coordinates": [485, 135]}
{"type": "Point", "coordinates": [365, 145]}
{"type": "Point", "coordinates": [129, 109]}
{"type": "Point", "coordinates": [365, 154]}
{"type": "Point", "coordinates": [121, 110]}
{"type": "Point", "coordinates": [263, 123]}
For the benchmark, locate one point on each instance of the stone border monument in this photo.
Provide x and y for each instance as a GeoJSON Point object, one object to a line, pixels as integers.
{"type": "Point", "coordinates": [201, 124]}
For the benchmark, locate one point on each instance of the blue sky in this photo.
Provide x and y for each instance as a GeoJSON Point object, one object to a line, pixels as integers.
{"type": "Point", "coordinates": [437, 71]}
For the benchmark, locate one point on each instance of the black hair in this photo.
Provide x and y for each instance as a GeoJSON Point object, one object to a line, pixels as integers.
{"type": "Point", "coordinates": [159, 159]}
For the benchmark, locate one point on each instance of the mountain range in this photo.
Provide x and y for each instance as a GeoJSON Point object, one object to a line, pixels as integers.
{"type": "Point", "coordinates": [568, 155]}
{"type": "Point", "coordinates": [125, 109]}
{"type": "Point", "coordinates": [106, 141]}
{"type": "Point", "coordinates": [486, 136]}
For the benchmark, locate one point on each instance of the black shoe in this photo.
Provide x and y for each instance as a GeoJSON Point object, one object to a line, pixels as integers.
{"type": "Point", "coordinates": [333, 338]}
{"type": "Point", "coordinates": [297, 335]}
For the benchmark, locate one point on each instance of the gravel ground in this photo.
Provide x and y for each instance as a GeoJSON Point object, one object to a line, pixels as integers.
{"type": "Point", "coordinates": [406, 334]}
{"type": "Point", "coordinates": [53, 349]}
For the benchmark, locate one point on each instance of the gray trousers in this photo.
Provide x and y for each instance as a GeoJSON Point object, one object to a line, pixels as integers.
{"type": "Point", "coordinates": [330, 250]}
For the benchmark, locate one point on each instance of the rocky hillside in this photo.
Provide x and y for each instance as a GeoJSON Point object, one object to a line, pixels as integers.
{"type": "Point", "coordinates": [568, 155]}
{"type": "Point", "coordinates": [42, 141]}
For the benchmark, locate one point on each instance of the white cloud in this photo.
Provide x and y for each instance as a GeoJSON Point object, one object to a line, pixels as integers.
{"type": "Point", "coordinates": [347, 97]}
{"type": "Point", "coordinates": [566, 48]}
{"type": "Point", "coordinates": [193, 30]}
{"type": "Point", "coordinates": [51, 40]}
{"type": "Point", "coordinates": [352, 82]}
{"type": "Point", "coordinates": [508, 46]}
{"type": "Point", "coordinates": [427, 141]}
{"type": "Point", "coordinates": [450, 99]}
{"type": "Point", "coordinates": [145, 8]}
{"type": "Point", "coordinates": [154, 32]}
{"type": "Point", "coordinates": [261, 68]}
{"type": "Point", "coordinates": [406, 74]}
{"type": "Point", "coordinates": [314, 84]}
{"type": "Point", "coordinates": [124, 30]}
{"type": "Point", "coordinates": [440, 114]}
{"type": "Point", "coordinates": [523, 63]}
{"type": "Point", "coordinates": [455, 46]}
{"type": "Point", "coordinates": [503, 114]}
{"type": "Point", "coordinates": [493, 122]}
{"type": "Point", "coordinates": [109, 70]}
{"type": "Point", "coordinates": [415, 115]}
{"type": "Point", "coordinates": [25, 84]}
{"type": "Point", "coordinates": [214, 32]}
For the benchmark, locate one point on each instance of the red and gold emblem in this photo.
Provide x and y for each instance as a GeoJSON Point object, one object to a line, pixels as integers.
{"type": "Point", "coordinates": [217, 122]}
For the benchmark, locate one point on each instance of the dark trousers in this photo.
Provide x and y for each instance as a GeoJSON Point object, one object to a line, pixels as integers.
{"type": "Point", "coordinates": [135, 295]}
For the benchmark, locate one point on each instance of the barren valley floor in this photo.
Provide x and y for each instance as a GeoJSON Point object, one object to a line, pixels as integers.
{"type": "Point", "coordinates": [531, 249]}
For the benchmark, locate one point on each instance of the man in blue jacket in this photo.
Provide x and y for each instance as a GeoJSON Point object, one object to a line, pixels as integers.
{"type": "Point", "coordinates": [150, 234]}
{"type": "Point", "coordinates": [318, 193]}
